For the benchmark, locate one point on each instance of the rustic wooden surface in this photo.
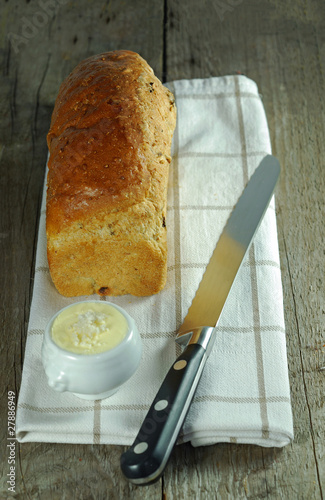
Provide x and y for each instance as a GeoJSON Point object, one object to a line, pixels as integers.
{"type": "Point", "coordinates": [281, 46]}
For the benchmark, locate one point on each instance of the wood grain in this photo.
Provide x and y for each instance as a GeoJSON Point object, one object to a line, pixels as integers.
{"type": "Point", "coordinates": [281, 46]}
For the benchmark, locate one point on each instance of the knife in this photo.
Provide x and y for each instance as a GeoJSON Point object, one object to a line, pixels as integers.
{"type": "Point", "coordinates": [145, 460]}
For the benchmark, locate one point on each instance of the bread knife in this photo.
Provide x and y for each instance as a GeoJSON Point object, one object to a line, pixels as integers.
{"type": "Point", "coordinates": [145, 460]}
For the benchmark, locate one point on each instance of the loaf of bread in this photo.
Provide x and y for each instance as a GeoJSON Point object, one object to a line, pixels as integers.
{"type": "Point", "coordinates": [109, 143]}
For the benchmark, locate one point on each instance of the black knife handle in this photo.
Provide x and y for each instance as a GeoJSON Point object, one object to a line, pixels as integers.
{"type": "Point", "coordinates": [145, 461]}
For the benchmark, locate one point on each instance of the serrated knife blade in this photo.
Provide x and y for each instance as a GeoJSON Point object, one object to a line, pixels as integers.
{"type": "Point", "coordinates": [146, 459]}
{"type": "Point", "coordinates": [232, 246]}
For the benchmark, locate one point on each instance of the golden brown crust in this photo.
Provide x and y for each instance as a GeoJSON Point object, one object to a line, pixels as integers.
{"type": "Point", "coordinates": [109, 145]}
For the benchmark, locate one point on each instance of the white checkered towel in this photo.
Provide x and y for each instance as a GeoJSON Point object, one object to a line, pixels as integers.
{"type": "Point", "coordinates": [243, 395]}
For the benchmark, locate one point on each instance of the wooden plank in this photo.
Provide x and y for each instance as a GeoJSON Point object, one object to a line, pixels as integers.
{"type": "Point", "coordinates": [280, 47]}
{"type": "Point", "coordinates": [46, 43]}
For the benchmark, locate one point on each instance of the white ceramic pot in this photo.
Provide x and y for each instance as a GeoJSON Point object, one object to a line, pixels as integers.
{"type": "Point", "coordinates": [92, 376]}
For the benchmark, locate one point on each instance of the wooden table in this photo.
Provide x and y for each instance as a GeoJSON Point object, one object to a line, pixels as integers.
{"type": "Point", "coordinates": [281, 46]}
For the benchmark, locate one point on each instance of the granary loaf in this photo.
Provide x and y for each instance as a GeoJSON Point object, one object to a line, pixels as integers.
{"type": "Point", "coordinates": [109, 142]}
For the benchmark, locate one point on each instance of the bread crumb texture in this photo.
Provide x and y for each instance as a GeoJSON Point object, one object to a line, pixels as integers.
{"type": "Point", "coordinates": [109, 143]}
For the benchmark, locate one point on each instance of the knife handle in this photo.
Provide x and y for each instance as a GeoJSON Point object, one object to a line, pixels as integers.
{"type": "Point", "coordinates": [145, 460]}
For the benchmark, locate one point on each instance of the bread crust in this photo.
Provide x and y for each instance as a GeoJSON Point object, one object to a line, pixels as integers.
{"type": "Point", "coordinates": [109, 143]}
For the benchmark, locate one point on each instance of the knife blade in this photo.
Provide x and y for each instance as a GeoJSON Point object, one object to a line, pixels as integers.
{"type": "Point", "coordinates": [145, 460]}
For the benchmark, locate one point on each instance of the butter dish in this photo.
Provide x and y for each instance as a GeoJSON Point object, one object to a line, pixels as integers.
{"type": "Point", "coordinates": [100, 350]}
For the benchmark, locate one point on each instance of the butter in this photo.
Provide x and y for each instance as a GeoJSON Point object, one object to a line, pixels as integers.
{"type": "Point", "coordinates": [89, 328]}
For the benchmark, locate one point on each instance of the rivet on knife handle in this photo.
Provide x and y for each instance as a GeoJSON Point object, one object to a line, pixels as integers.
{"type": "Point", "coordinates": [145, 461]}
